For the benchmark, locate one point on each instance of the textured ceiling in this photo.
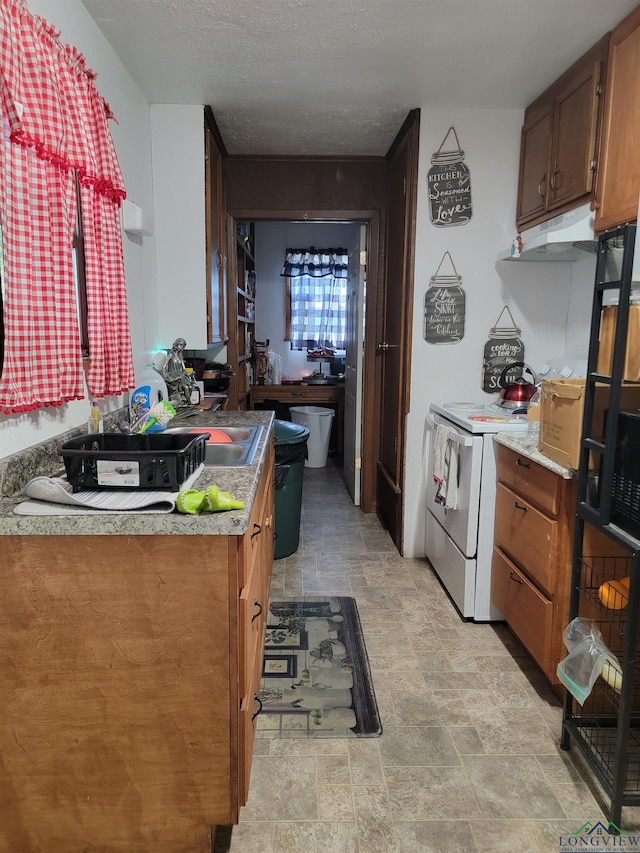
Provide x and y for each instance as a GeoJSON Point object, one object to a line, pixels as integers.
{"type": "Point", "coordinates": [338, 77]}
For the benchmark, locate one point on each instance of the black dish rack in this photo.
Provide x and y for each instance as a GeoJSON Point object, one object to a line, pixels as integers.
{"type": "Point", "coordinates": [118, 461]}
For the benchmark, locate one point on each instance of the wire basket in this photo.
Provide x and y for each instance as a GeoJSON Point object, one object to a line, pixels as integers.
{"type": "Point", "coordinates": [118, 461]}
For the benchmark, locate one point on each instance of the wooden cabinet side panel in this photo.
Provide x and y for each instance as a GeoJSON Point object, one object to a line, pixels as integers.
{"type": "Point", "coordinates": [619, 171]}
{"type": "Point", "coordinates": [115, 720]}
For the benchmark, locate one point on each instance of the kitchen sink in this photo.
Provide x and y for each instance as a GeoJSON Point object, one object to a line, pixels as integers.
{"type": "Point", "coordinates": [239, 451]}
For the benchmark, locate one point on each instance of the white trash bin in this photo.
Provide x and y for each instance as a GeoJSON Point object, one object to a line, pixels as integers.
{"type": "Point", "coordinates": [318, 421]}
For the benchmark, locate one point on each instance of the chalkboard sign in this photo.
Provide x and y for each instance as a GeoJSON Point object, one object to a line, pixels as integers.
{"type": "Point", "coordinates": [444, 308]}
{"type": "Point", "coordinates": [449, 186]}
{"type": "Point", "coordinates": [502, 348]}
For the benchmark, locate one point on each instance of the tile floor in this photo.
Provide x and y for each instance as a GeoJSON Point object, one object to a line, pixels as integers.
{"type": "Point", "coordinates": [469, 758]}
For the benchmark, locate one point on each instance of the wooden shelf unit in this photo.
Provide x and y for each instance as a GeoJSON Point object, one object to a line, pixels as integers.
{"type": "Point", "coordinates": [241, 310]}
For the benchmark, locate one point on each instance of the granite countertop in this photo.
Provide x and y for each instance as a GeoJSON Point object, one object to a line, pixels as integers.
{"type": "Point", "coordinates": [527, 446]}
{"type": "Point", "coordinates": [241, 482]}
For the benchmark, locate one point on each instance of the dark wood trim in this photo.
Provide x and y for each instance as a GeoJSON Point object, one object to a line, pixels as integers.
{"type": "Point", "coordinates": [414, 115]}
{"type": "Point", "coordinates": [212, 124]}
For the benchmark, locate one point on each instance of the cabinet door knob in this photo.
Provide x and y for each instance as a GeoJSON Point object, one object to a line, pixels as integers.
{"type": "Point", "coordinates": [512, 577]}
{"type": "Point", "coordinates": [523, 464]}
{"type": "Point", "coordinates": [541, 186]}
{"type": "Point", "coordinates": [255, 713]}
{"type": "Point", "coordinates": [519, 506]}
{"type": "Point", "coordinates": [553, 181]}
{"type": "Point", "coordinates": [258, 611]}
{"type": "Point", "coordinates": [256, 531]}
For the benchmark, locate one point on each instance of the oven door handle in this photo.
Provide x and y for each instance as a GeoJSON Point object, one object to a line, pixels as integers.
{"type": "Point", "coordinates": [458, 438]}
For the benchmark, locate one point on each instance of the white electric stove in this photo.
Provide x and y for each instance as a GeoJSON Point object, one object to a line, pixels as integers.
{"type": "Point", "coordinates": [459, 542]}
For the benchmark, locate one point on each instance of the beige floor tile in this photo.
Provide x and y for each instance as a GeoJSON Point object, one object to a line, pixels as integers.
{"type": "Point", "coordinates": [447, 836]}
{"type": "Point", "coordinates": [431, 793]}
{"type": "Point", "coordinates": [376, 832]}
{"type": "Point", "coordinates": [282, 789]}
{"type": "Point", "coordinates": [316, 837]}
{"type": "Point", "coordinates": [414, 746]}
{"type": "Point", "coordinates": [508, 789]}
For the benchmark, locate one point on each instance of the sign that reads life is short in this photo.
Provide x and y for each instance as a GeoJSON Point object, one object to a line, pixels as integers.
{"type": "Point", "coordinates": [444, 307]}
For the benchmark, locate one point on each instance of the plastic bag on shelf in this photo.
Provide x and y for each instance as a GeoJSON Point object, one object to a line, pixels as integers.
{"type": "Point", "coordinates": [587, 657]}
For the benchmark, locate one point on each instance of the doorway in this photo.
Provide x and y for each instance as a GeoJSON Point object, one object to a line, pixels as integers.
{"type": "Point", "coordinates": [272, 238]}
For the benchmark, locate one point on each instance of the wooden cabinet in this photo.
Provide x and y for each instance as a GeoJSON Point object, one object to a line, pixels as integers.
{"type": "Point", "coordinates": [559, 141]}
{"type": "Point", "coordinates": [215, 228]}
{"type": "Point", "coordinates": [188, 206]}
{"type": "Point", "coordinates": [532, 555]}
{"type": "Point", "coordinates": [241, 310]}
{"type": "Point", "coordinates": [619, 170]}
{"type": "Point", "coordinates": [130, 670]}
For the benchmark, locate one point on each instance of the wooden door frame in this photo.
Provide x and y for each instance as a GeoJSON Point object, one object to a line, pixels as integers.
{"type": "Point", "coordinates": [371, 365]}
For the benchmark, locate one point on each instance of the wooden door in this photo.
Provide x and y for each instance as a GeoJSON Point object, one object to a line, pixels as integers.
{"type": "Point", "coordinates": [353, 366]}
{"type": "Point", "coordinates": [619, 170]}
{"type": "Point", "coordinates": [535, 149]}
{"type": "Point", "coordinates": [574, 133]}
{"type": "Point", "coordinates": [394, 349]}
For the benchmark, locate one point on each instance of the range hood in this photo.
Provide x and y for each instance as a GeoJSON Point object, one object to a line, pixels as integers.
{"type": "Point", "coordinates": [564, 238]}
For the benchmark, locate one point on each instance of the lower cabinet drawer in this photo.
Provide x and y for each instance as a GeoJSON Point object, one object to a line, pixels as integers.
{"type": "Point", "coordinates": [528, 536]}
{"type": "Point", "coordinates": [528, 613]}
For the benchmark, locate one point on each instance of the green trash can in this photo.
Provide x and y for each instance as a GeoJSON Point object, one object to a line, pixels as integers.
{"type": "Point", "coordinates": [291, 451]}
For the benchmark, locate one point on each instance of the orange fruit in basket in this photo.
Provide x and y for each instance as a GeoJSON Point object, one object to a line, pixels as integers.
{"type": "Point", "coordinates": [215, 436]}
{"type": "Point", "coordinates": [615, 594]}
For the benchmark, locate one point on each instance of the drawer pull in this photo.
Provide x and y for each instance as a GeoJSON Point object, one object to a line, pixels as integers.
{"type": "Point", "coordinates": [256, 532]}
{"type": "Point", "coordinates": [512, 577]}
{"type": "Point", "coordinates": [258, 612]}
{"type": "Point", "coordinates": [523, 464]}
{"type": "Point", "coordinates": [519, 506]}
{"type": "Point", "coordinates": [255, 714]}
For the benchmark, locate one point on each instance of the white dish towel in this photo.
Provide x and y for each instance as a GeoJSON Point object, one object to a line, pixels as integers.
{"type": "Point", "coordinates": [55, 496]}
{"type": "Point", "coordinates": [445, 467]}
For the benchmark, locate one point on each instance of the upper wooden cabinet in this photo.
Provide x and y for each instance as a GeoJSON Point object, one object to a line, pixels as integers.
{"type": "Point", "coordinates": [559, 144]}
{"type": "Point", "coordinates": [619, 171]}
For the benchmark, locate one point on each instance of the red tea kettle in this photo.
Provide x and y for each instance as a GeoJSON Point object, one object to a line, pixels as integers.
{"type": "Point", "coordinates": [517, 394]}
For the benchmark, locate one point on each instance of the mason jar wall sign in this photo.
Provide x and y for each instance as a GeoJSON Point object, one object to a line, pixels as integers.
{"type": "Point", "coordinates": [444, 307]}
{"type": "Point", "coordinates": [503, 347]}
{"type": "Point", "coordinates": [449, 185]}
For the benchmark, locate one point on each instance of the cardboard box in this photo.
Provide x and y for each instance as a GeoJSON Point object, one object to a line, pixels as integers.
{"type": "Point", "coordinates": [561, 411]}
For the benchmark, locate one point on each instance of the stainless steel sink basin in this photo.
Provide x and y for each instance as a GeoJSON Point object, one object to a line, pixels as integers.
{"type": "Point", "coordinates": [239, 452]}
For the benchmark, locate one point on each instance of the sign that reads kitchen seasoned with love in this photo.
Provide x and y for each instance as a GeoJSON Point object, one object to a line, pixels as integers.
{"type": "Point", "coordinates": [449, 185]}
{"type": "Point", "coordinates": [444, 308]}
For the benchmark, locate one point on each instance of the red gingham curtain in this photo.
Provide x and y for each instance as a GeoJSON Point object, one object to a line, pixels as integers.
{"type": "Point", "coordinates": [54, 122]}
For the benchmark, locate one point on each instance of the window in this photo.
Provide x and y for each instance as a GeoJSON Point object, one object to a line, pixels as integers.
{"type": "Point", "coordinates": [316, 298]}
{"type": "Point", "coordinates": [79, 275]}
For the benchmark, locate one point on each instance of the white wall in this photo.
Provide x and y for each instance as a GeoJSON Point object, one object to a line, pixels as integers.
{"type": "Point", "coordinates": [132, 141]}
{"type": "Point", "coordinates": [271, 241]}
{"type": "Point", "coordinates": [547, 300]}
